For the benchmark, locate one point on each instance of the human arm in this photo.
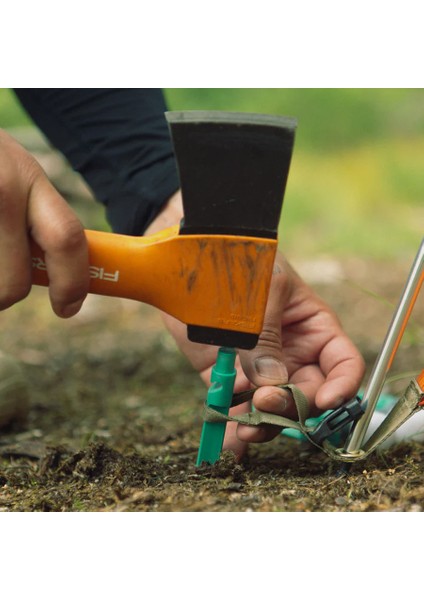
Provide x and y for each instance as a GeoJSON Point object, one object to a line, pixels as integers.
{"type": "Point", "coordinates": [119, 142]}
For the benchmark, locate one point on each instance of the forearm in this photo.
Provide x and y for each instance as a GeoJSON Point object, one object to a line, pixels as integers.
{"type": "Point", "coordinates": [171, 214]}
{"type": "Point", "coordinates": [118, 140]}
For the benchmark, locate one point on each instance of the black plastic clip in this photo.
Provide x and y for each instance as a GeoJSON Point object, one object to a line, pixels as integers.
{"type": "Point", "coordinates": [337, 420]}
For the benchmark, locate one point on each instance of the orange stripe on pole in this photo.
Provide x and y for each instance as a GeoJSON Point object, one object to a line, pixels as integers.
{"type": "Point", "coordinates": [420, 381]}
{"type": "Point", "coordinates": [405, 321]}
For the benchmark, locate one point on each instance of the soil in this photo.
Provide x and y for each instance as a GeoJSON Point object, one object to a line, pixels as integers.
{"type": "Point", "coordinates": [115, 414]}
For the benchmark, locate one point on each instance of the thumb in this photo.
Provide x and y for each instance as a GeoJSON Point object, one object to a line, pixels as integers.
{"type": "Point", "coordinates": [264, 365]}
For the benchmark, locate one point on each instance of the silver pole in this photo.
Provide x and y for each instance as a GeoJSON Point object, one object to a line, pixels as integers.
{"type": "Point", "coordinates": [388, 350]}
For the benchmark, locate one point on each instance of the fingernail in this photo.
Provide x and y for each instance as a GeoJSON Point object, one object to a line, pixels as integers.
{"type": "Point", "coordinates": [279, 398]}
{"type": "Point", "coordinates": [71, 309]}
{"type": "Point", "coordinates": [271, 368]}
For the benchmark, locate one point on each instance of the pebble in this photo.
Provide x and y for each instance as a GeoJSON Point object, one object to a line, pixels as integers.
{"type": "Point", "coordinates": [340, 501]}
{"type": "Point", "coordinates": [234, 487]}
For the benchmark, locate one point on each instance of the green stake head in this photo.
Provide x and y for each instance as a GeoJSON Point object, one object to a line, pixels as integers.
{"type": "Point", "coordinates": [219, 397]}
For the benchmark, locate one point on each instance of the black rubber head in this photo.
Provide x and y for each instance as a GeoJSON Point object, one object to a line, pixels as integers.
{"type": "Point", "coordinates": [233, 169]}
{"type": "Point", "coordinates": [222, 337]}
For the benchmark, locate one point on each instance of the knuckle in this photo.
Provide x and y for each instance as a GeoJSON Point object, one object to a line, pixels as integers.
{"type": "Point", "coordinates": [68, 237]}
{"type": "Point", "coordinates": [270, 338]}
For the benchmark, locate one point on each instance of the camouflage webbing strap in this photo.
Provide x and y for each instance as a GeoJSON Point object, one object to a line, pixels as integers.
{"type": "Point", "coordinates": [406, 406]}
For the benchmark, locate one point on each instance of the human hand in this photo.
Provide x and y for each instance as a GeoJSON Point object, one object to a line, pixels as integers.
{"type": "Point", "coordinates": [302, 342]}
{"type": "Point", "coordinates": [31, 209]}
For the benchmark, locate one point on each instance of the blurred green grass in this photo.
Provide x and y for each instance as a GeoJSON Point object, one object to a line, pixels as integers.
{"type": "Point", "coordinates": [356, 185]}
{"type": "Point", "coordinates": [11, 112]}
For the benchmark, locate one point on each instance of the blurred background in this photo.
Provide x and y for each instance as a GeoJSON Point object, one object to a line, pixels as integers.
{"type": "Point", "coordinates": [356, 185]}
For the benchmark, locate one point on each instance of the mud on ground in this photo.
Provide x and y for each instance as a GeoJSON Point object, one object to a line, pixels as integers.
{"type": "Point", "coordinates": [116, 414]}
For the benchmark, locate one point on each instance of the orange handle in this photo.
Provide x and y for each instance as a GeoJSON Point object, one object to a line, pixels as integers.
{"type": "Point", "coordinates": [207, 280]}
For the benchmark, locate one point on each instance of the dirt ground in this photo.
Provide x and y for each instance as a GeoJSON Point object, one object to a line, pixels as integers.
{"type": "Point", "coordinates": [116, 410]}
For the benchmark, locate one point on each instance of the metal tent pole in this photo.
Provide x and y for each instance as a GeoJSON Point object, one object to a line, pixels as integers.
{"type": "Point", "coordinates": [388, 350]}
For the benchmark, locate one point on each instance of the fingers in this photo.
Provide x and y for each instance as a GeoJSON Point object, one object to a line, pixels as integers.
{"type": "Point", "coordinates": [15, 274]}
{"type": "Point", "coordinates": [315, 355]}
{"type": "Point", "coordinates": [266, 399]}
{"type": "Point", "coordinates": [264, 365]}
{"type": "Point", "coordinates": [59, 233]}
{"type": "Point", "coordinates": [344, 368]}
{"type": "Point", "coordinates": [201, 356]}
{"type": "Point", "coordinates": [15, 268]}
{"type": "Point", "coordinates": [326, 387]}
{"type": "Point", "coordinates": [280, 402]}
{"type": "Point", "coordinates": [232, 440]}
{"type": "Point", "coordinates": [31, 207]}
{"type": "Point", "coordinates": [171, 214]}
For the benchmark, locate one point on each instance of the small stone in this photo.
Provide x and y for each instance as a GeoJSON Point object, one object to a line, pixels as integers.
{"type": "Point", "coordinates": [234, 487]}
{"type": "Point", "coordinates": [340, 501]}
